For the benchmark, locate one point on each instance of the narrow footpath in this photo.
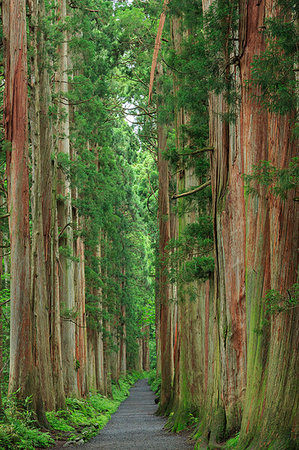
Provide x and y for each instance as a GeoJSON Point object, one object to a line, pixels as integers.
{"type": "Point", "coordinates": [135, 426]}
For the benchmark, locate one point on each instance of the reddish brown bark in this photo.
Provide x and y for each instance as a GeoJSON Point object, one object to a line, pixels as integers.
{"type": "Point", "coordinates": [81, 335]}
{"type": "Point", "coordinates": [271, 263]}
{"type": "Point", "coordinates": [16, 132]}
{"type": "Point", "coordinates": [253, 236]}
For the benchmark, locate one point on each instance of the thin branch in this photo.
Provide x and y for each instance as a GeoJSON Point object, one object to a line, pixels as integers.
{"type": "Point", "coordinates": [196, 152]}
{"type": "Point", "coordinates": [4, 366]}
{"type": "Point", "coordinates": [74, 6]}
{"type": "Point", "coordinates": [4, 303]}
{"type": "Point", "coordinates": [153, 191]}
{"type": "Point", "coordinates": [63, 229]}
{"type": "Point", "coordinates": [73, 321]}
{"type": "Point", "coordinates": [147, 204]}
{"type": "Point", "coordinates": [5, 216]}
{"type": "Point", "coordinates": [199, 188]}
{"type": "Point", "coordinates": [76, 103]}
{"type": "Point", "coordinates": [156, 49]}
{"type": "Point", "coordinates": [149, 147]}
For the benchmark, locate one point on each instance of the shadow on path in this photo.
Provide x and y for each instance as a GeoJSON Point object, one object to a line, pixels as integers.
{"type": "Point", "coordinates": [135, 426]}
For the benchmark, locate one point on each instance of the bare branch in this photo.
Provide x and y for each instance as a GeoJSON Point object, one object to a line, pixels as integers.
{"type": "Point", "coordinates": [196, 152]}
{"type": "Point", "coordinates": [4, 303]}
{"type": "Point", "coordinates": [68, 319]}
{"type": "Point", "coordinates": [156, 50]}
{"type": "Point", "coordinates": [199, 188]}
{"type": "Point", "coordinates": [63, 229]}
{"type": "Point", "coordinates": [153, 191]}
{"type": "Point", "coordinates": [76, 103]}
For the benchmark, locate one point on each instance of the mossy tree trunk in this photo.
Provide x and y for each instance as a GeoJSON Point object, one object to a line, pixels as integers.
{"type": "Point", "coordinates": [271, 263]}
{"type": "Point", "coordinates": [254, 365]}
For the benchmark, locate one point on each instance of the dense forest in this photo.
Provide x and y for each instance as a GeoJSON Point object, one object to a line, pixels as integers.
{"type": "Point", "coordinates": [148, 210]}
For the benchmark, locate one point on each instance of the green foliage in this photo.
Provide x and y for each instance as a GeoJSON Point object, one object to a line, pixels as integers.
{"type": "Point", "coordinates": [154, 382]}
{"type": "Point", "coordinates": [277, 181]}
{"type": "Point", "coordinates": [199, 268]}
{"type": "Point", "coordinates": [277, 302]}
{"type": "Point", "coordinates": [18, 427]}
{"type": "Point", "coordinates": [5, 330]}
{"type": "Point", "coordinates": [84, 418]}
{"type": "Point", "coordinates": [233, 442]}
{"type": "Point", "coordinates": [274, 70]}
{"type": "Point", "coordinates": [189, 256]}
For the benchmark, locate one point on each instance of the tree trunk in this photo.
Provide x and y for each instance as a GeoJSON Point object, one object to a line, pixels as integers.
{"type": "Point", "coordinates": [65, 222]}
{"type": "Point", "coordinates": [254, 245]}
{"type": "Point", "coordinates": [39, 293]}
{"type": "Point", "coordinates": [271, 262]}
{"type": "Point", "coordinates": [123, 350]}
{"type": "Point", "coordinates": [1, 324]}
{"type": "Point", "coordinates": [81, 334]}
{"type": "Point", "coordinates": [166, 340]}
{"type": "Point", "coordinates": [16, 132]}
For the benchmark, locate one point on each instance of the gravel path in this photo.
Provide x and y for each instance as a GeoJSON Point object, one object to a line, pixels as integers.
{"type": "Point", "coordinates": [136, 427]}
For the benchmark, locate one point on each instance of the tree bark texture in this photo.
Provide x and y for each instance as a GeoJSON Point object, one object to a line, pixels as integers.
{"type": "Point", "coordinates": [271, 263]}
{"type": "Point", "coordinates": [65, 222]}
{"type": "Point", "coordinates": [16, 132]}
{"type": "Point", "coordinates": [256, 238]}
{"type": "Point", "coordinates": [39, 279]}
{"type": "Point", "coordinates": [81, 332]}
{"type": "Point", "coordinates": [166, 340]}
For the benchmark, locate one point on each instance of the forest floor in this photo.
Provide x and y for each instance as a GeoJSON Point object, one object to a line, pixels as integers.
{"type": "Point", "coordinates": [135, 426]}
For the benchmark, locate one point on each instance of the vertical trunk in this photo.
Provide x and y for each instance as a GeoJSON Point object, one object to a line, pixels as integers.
{"type": "Point", "coordinates": [123, 353]}
{"type": "Point", "coordinates": [140, 355]}
{"type": "Point", "coordinates": [1, 325]}
{"type": "Point", "coordinates": [193, 297]}
{"type": "Point", "coordinates": [146, 355]}
{"type": "Point", "coordinates": [107, 356]}
{"type": "Point", "coordinates": [99, 334]}
{"type": "Point", "coordinates": [16, 132]}
{"type": "Point", "coordinates": [65, 222]}
{"type": "Point", "coordinates": [271, 262]}
{"type": "Point", "coordinates": [106, 328]}
{"type": "Point", "coordinates": [254, 245]}
{"type": "Point", "coordinates": [157, 324]}
{"type": "Point", "coordinates": [38, 292]}
{"type": "Point", "coordinates": [164, 288]}
{"type": "Point", "coordinates": [114, 355]}
{"type": "Point", "coordinates": [55, 320]}
{"type": "Point", "coordinates": [81, 335]}
{"type": "Point", "coordinates": [50, 232]}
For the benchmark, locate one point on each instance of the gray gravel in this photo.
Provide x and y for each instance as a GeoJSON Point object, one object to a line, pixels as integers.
{"type": "Point", "coordinates": [135, 426]}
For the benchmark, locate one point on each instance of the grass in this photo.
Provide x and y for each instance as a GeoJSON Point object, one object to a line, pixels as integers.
{"type": "Point", "coordinates": [81, 420]}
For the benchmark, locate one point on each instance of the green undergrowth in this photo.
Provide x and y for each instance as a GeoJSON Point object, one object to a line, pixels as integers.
{"type": "Point", "coordinates": [232, 443]}
{"type": "Point", "coordinates": [79, 421]}
{"type": "Point", "coordinates": [154, 382]}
